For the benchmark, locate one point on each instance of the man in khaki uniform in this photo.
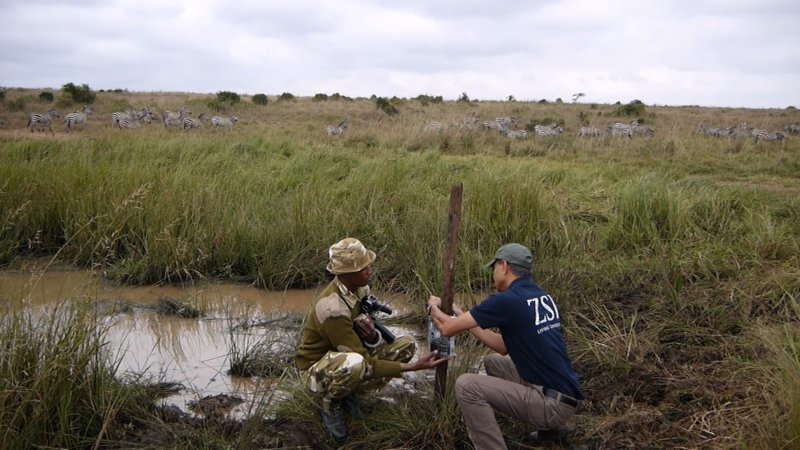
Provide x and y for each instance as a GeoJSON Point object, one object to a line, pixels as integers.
{"type": "Point", "coordinates": [341, 353]}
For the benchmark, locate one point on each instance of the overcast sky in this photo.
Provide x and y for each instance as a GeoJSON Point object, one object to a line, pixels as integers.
{"type": "Point", "coordinates": [737, 53]}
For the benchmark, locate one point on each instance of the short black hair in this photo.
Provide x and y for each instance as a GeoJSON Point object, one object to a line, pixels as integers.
{"type": "Point", "coordinates": [519, 271]}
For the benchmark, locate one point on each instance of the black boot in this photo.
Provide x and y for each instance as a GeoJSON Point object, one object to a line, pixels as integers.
{"type": "Point", "coordinates": [333, 419]}
{"type": "Point", "coordinates": [556, 436]}
{"type": "Point", "coordinates": [350, 406]}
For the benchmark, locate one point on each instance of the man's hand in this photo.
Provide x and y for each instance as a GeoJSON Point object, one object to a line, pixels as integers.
{"type": "Point", "coordinates": [364, 326]}
{"type": "Point", "coordinates": [428, 361]}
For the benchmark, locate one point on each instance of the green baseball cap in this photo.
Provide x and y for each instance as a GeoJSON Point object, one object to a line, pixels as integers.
{"type": "Point", "coordinates": [516, 254]}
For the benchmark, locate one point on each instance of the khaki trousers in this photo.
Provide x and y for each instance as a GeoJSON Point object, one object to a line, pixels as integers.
{"type": "Point", "coordinates": [503, 390]}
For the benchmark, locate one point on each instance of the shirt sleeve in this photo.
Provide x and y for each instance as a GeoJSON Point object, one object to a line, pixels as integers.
{"type": "Point", "coordinates": [344, 338]}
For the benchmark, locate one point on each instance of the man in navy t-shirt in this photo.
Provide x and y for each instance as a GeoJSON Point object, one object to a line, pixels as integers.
{"type": "Point", "coordinates": [530, 377]}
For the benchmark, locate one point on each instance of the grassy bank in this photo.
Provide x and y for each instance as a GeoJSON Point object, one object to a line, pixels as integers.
{"type": "Point", "coordinates": [674, 258]}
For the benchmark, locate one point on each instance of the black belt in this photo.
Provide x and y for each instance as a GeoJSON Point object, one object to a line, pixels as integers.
{"type": "Point", "coordinates": [563, 398]}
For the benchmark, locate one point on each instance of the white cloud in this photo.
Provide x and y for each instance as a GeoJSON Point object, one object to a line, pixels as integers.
{"type": "Point", "coordinates": [706, 52]}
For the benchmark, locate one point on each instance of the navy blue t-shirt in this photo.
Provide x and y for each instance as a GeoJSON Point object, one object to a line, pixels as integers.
{"type": "Point", "coordinates": [528, 319]}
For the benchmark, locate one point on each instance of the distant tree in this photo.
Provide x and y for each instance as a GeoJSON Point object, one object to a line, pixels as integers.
{"type": "Point", "coordinates": [79, 94]}
{"type": "Point", "coordinates": [464, 98]}
{"type": "Point", "coordinates": [632, 109]}
{"type": "Point", "coordinates": [575, 97]}
{"type": "Point", "coordinates": [228, 97]}
{"type": "Point", "coordinates": [286, 96]}
{"type": "Point", "coordinates": [260, 99]}
{"type": "Point", "coordinates": [46, 97]}
{"type": "Point", "coordinates": [558, 100]}
{"type": "Point", "coordinates": [320, 97]}
{"type": "Point", "coordinates": [511, 98]}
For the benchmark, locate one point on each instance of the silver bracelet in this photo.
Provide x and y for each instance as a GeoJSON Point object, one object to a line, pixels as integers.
{"type": "Point", "coordinates": [376, 344]}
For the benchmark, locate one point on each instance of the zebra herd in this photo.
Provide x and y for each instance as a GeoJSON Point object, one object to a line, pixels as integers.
{"type": "Point", "coordinates": [132, 119]}
{"type": "Point", "coordinates": [503, 125]}
{"type": "Point", "coordinates": [742, 132]}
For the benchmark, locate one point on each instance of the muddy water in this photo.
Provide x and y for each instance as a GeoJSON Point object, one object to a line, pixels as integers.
{"type": "Point", "coordinates": [192, 352]}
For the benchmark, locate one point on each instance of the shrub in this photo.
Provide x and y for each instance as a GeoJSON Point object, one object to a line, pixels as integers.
{"type": "Point", "coordinates": [386, 106]}
{"type": "Point", "coordinates": [228, 97]}
{"type": "Point", "coordinates": [632, 109]}
{"type": "Point", "coordinates": [320, 97]}
{"type": "Point", "coordinates": [2, 96]}
{"type": "Point", "coordinates": [79, 94]}
{"type": "Point", "coordinates": [260, 99]}
{"type": "Point", "coordinates": [286, 96]}
{"type": "Point", "coordinates": [46, 97]}
{"type": "Point", "coordinates": [464, 98]}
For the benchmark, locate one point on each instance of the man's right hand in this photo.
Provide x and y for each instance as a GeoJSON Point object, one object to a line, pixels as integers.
{"type": "Point", "coordinates": [428, 361]}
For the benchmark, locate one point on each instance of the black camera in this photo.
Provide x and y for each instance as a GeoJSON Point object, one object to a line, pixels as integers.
{"type": "Point", "coordinates": [371, 305]}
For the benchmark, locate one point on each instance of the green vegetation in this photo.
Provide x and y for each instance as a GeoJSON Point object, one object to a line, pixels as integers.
{"type": "Point", "coordinates": [78, 94]}
{"type": "Point", "coordinates": [674, 259]}
{"type": "Point", "coordinates": [260, 99]}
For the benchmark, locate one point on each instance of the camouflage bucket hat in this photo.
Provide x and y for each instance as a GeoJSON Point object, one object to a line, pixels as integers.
{"type": "Point", "coordinates": [349, 255]}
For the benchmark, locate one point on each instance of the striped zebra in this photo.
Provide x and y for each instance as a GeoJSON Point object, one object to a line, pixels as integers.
{"type": "Point", "coordinates": [643, 131]}
{"type": "Point", "coordinates": [191, 122]}
{"type": "Point", "coordinates": [130, 114]}
{"type": "Point", "coordinates": [766, 135]}
{"type": "Point", "coordinates": [77, 118]}
{"type": "Point", "coordinates": [129, 123]}
{"type": "Point", "coordinates": [793, 128]}
{"type": "Point", "coordinates": [224, 122]}
{"type": "Point", "coordinates": [709, 131]}
{"type": "Point", "coordinates": [431, 125]}
{"type": "Point", "coordinates": [500, 124]}
{"type": "Point", "coordinates": [175, 119]}
{"type": "Point", "coordinates": [551, 130]}
{"type": "Point", "coordinates": [740, 132]}
{"type": "Point", "coordinates": [624, 130]}
{"type": "Point", "coordinates": [516, 134]}
{"type": "Point", "coordinates": [337, 130]}
{"type": "Point", "coordinates": [44, 119]}
{"type": "Point", "coordinates": [591, 132]}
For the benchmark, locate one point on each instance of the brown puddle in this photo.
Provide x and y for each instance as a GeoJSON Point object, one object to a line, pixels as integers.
{"type": "Point", "coordinates": [194, 352]}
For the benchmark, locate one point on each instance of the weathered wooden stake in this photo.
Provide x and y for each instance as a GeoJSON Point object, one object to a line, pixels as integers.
{"type": "Point", "coordinates": [450, 253]}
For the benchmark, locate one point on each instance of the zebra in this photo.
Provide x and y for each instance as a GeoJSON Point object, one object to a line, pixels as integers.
{"type": "Point", "coordinates": [44, 119]}
{"type": "Point", "coordinates": [514, 134]}
{"type": "Point", "coordinates": [337, 130]}
{"type": "Point", "coordinates": [627, 130]}
{"type": "Point", "coordinates": [190, 122]}
{"type": "Point", "coordinates": [551, 130]}
{"type": "Point", "coordinates": [766, 135]}
{"type": "Point", "coordinates": [500, 124]}
{"type": "Point", "coordinates": [432, 125]}
{"type": "Point", "coordinates": [77, 118]}
{"type": "Point", "coordinates": [708, 131]}
{"type": "Point", "coordinates": [792, 128]}
{"type": "Point", "coordinates": [591, 132]}
{"type": "Point", "coordinates": [175, 118]}
{"type": "Point", "coordinates": [130, 114]}
{"type": "Point", "coordinates": [129, 123]}
{"type": "Point", "coordinates": [739, 132]}
{"type": "Point", "coordinates": [224, 122]}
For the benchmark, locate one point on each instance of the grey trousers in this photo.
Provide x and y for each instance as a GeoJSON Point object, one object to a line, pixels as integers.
{"type": "Point", "coordinates": [503, 390]}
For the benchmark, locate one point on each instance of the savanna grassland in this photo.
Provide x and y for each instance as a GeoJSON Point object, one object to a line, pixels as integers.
{"type": "Point", "coordinates": [673, 258]}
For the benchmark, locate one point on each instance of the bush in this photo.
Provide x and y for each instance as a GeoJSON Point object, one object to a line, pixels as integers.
{"type": "Point", "coordinates": [464, 98]}
{"type": "Point", "coordinates": [228, 97]}
{"type": "Point", "coordinates": [632, 109]}
{"type": "Point", "coordinates": [260, 99]}
{"type": "Point", "coordinates": [320, 97]}
{"type": "Point", "coordinates": [2, 96]}
{"type": "Point", "coordinates": [286, 96]}
{"type": "Point", "coordinates": [386, 106]}
{"type": "Point", "coordinates": [46, 97]}
{"type": "Point", "coordinates": [79, 94]}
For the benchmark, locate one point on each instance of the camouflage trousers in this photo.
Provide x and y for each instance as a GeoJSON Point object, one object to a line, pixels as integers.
{"type": "Point", "coordinates": [339, 374]}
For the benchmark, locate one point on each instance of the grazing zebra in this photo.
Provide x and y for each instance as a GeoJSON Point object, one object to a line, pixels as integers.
{"type": "Point", "coordinates": [77, 118]}
{"type": "Point", "coordinates": [337, 130]}
{"type": "Point", "coordinates": [550, 130]}
{"type": "Point", "coordinates": [500, 124]}
{"type": "Point", "coordinates": [514, 134]}
{"type": "Point", "coordinates": [431, 125]}
{"type": "Point", "coordinates": [766, 135]}
{"type": "Point", "coordinates": [131, 114]}
{"type": "Point", "coordinates": [129, 124]}
{"type": "Point", "coordinates": [626, 130]}
{"type": "Point", "coordinates": [591, 132]}
{"type": "Point", "coordinates": [175, 118]}
{"type": "Point", "coordinates": [224, 122]}
{"type": "Point", "coordinates": [739, 132]}
{"type": "Point", "coordinates": [708, 131]}
{"type": "Point", "coordinates": [190, 122]}
{"type": "Point", "coordinates": [44, 119]}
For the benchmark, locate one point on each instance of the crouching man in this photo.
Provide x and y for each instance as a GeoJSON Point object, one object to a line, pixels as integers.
{"type": "Point", "coordinates": [341, 353]}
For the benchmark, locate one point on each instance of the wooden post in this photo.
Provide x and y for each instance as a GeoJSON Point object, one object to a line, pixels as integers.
{"type": "Point", "coordinates": [449, 266]}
